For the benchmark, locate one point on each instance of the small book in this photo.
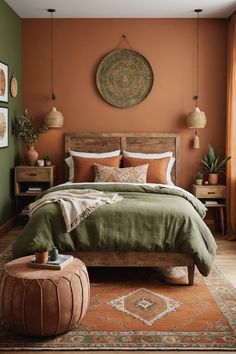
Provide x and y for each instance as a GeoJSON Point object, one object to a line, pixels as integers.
{"type": "Point", "coordinates": [211, 202]}
{"type": "Point", "coordinates": [61, 262]}
{"type": "Point", "coordinates": [34, 189]}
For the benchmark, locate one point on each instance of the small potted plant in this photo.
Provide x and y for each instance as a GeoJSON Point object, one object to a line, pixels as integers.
{"type": "Point", "coordinates": [47, 160]}
{"type": "Point", "coordinates": [213, 164]}
{"type": "Point", "coordinates": [41, 247]}
{"type": "Point", "coordinates": [25, 130]}
{"type": "Point", "coordinates": [199, 178]}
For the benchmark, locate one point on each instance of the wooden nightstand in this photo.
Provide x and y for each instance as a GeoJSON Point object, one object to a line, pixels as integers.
{"type": "Point", "coordinates": [30, 181]}
{"type": "Point", "coordinates": [211, 194]}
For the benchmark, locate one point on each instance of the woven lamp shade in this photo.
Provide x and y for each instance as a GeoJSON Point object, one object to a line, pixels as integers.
{"type": "Point", "coordinates": [196, 119]}
{"type": "Point", "coordinates": [54, 119]}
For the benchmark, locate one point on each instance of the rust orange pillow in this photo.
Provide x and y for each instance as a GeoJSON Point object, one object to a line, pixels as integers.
{"type": "Point", "coordinates": [157, 168]}
{"type": "Point", "coordinates": [84, 170]}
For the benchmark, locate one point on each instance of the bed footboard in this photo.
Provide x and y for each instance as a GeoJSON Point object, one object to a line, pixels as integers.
{"type": "Point", "coordinates": [137, 259]}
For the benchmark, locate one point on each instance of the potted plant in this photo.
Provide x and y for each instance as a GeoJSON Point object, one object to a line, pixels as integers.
{"type": "Point", "coordinates": [41, 247]}
{"type": "Point", "coordinates": [47, 160]}
{"type": "Point", "coordinates": [199, 178]}
{"type": "Point", "coordinates": [213, 164]}
{"type": "Point", "coordinates": [24, 130]}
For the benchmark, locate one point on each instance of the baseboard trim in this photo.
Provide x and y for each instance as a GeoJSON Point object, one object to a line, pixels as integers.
{"type": "Point", "coordinates": [7, 226]}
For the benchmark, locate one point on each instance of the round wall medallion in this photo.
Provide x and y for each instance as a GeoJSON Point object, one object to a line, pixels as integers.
{"type": "Point", "coordinates": [13, 86]}
{"type": "Point", "coordinates": [124, 78]}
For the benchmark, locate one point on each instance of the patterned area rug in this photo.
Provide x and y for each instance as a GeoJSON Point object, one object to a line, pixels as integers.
{"type": "Point", "coordinates": [135, 309]}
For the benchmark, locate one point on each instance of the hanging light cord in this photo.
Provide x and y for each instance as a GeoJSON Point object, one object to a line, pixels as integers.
{"type": "Point", "coordinates": [197, 48]}
{"type": "Point", "coordinates": [52, 56]}
{"type": "Point", "coordinates": [197, 55]}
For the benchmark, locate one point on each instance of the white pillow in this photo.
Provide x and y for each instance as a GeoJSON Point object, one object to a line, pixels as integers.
{"type": "Point", "coordinates": [155, 156]}
{"type": "Point", "coordinates": [147, 156]}
{"type": "Point", "coordinates": [96, 155]}
{"type": "Point", "coordinates": [70, 162]}
{"type": "Point", "coordinates": [169, 169]}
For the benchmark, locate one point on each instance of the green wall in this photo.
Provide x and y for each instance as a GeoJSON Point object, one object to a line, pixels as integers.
{"type": "Point", "coordinates": [10, 53]}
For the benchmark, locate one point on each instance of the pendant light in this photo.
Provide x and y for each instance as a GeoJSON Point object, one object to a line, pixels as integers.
{"type": "Point", "coordinates": [54, 118]}
{"type": "Point", "coordinates": [197, 118]}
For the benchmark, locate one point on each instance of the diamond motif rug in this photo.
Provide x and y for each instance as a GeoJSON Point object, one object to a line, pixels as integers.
{"type": "Point", "coordinates": [135, 309]}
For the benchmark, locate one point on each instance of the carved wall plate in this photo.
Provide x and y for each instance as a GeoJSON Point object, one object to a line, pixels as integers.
{"type": "Point", "coordinates": [124, 78]}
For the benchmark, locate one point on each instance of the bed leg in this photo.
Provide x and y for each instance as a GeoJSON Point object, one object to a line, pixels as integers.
{"type": "Point", "coordinates": [191, 274]}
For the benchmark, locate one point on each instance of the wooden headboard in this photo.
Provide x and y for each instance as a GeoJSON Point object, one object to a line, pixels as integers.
{"type": "Point", "coordinates": [135, 142]}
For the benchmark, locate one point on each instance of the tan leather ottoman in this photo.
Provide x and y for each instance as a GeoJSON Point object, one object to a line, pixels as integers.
{"type": "Point", "coordinates": [43, 302]}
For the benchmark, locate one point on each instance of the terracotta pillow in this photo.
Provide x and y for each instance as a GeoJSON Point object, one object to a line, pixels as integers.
{"type": "Point", "coordinates": [84, 170]}
{"type": "Point", "coordinates": [157, 169]}
{"type": "Point", "coordinates": [136, 174]}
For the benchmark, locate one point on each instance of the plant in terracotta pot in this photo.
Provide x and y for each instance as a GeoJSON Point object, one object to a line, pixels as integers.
{"type": "Point", "coordinates": [47, 160]}
{"type": "Point", "coordinates": [41, 247]}
{"type": "Point", "coordinates": [24, 130]}
{"type": "Point", "coordinates": [214, 164]}
{"type": "Point", "coordinates": [199, 178]}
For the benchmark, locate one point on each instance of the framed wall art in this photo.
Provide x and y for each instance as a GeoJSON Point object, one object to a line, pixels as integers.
{"type": "Point", "coordinates": [4, 127]}
{"type": "Point", "coordinates": [3, 82]}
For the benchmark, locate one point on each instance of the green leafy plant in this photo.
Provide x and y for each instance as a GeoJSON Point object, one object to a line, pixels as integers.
{"type": "Point", "coordinates": [47, 158]}
{"type": "Point", "coordinates": [40, 244]}
{"type": "Point", "coordinates": [199, 175]}
{"type": "Point", "coordinates": [24, 129]}
{"type": "Point", "coordinates": [212, 162]}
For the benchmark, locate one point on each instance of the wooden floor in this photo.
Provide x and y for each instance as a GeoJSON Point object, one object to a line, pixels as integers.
{"type": "Point", "coordinates": [225, 259]}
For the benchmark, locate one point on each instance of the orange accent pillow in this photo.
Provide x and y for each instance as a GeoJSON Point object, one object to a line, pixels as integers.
{"type": "Point", "coordinates": [84, 170]}
{"type": "Point", "coordinates": [157, 169]}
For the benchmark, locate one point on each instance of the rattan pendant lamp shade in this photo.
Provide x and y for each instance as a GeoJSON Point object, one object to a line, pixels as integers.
{"type": "Point", "coordinates": [54, 118]}
{"type": "Point", "coordinates": [196, 119]}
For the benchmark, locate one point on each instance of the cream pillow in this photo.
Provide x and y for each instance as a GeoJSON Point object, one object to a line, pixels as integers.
{"type": "Point", "coordinates": [136, 174]}
{"type": "Point", "coordinates": [70, 162]}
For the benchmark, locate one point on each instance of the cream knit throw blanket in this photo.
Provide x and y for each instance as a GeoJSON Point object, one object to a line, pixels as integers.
{"type": "Point", "coordinates": [75, 204]}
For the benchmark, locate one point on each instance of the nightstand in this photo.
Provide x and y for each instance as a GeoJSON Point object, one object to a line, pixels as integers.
{"type": "Point", "coordinates": [30, 181]}
{"type": "Point", "coordinates": [213, 197]}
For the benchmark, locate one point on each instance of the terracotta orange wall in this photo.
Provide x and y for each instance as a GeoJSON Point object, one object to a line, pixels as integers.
{"type": "Point", "coordinates": [170, 47]}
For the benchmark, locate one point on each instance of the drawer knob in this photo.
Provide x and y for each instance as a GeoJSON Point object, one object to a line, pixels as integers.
{"type": "Point", "coordinates": [32, 174]}
{"type": "Point", "coordinates": [211, 193]}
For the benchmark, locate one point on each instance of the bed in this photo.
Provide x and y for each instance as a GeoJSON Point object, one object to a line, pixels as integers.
{"type": "Point", "coordinates": [176, 251]}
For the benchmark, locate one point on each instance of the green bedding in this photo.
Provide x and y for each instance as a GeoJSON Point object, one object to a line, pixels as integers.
{"type": "Point", "coordinates": [148, 218]}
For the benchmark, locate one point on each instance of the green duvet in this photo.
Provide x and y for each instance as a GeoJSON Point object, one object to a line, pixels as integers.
{"type": "Point", "coordinates": [148, 218]}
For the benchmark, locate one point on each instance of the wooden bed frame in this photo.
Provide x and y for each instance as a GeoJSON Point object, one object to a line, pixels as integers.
{"type": "Point", "coordinates": [135, 142]}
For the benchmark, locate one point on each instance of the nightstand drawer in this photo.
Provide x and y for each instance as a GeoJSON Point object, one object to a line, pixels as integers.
{"type": "Point", "coordinates": [209, 192]}
{"type": "Point", "coordinates": [33, 174]}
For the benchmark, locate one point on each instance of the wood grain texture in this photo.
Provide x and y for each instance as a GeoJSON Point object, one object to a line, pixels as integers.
{"type": "Point", "coordinates": [134, 142]}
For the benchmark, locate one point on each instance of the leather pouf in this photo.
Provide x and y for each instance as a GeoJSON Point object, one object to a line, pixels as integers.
{"type": "Point", "coordinates": [43, 302]}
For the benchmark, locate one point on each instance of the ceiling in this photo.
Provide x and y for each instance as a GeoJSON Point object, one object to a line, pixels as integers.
{"type": "Point", "coordinates": [123, 8]}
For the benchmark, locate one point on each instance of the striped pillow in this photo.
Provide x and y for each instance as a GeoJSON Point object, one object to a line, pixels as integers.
{"type": "Point", "coordinates": [136, 174]}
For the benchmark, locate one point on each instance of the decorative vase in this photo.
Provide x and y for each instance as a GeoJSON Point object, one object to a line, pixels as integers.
{"type": "Point", "coordinates": [31, 155]}
{"type": "Point", "coordinates": [53, 254]}
{"type": "Point", "coordinates": [213, 178]}
{"type": "Point", "coordinates": [41, 257]}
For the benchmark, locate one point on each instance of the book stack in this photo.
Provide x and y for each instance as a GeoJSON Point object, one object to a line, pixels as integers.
{"type": "Point", "coordinates": [61, 261]}
{"type": "Point", "coordinates": [34, 190]}
{"type": "Point", "coordinates": [25, 211]}
{"type": "Point", "coordinates": [211, 202]}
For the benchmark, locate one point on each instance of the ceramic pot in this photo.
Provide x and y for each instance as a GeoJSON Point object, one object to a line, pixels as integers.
{"type": "Point", "coordinates": [213, 178]}
{"type": "Point", "coordinates": [53, 254]}
{"type": "Point", "coordinates": [199, 182]}
{"type": "Point", "coordinates": [41, 257]}
{"type": "Point", "coordinates": [31, 155]}
{"type": "Point", "coordinates": [48, 162]}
